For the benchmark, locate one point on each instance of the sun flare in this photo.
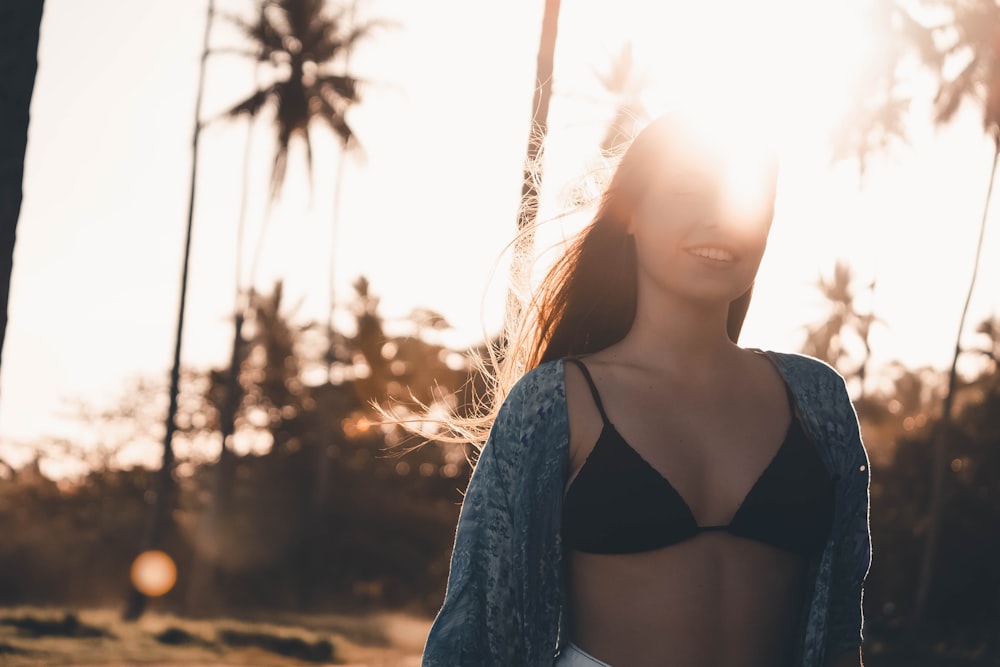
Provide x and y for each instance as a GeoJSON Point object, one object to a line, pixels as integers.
{"type": "Point", "coordinates": [781, 67]}
{"type": "Point", "coordinates": [770, 78]}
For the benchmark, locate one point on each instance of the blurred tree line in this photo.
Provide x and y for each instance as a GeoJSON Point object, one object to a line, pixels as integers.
{"type": "Point", "coordinates": [901, 416]}
{"type": "Point", "coordinates": [315, 505]}
{"type": "Point", "coordinates": [367, 521]}
{"type": "Point", "coordinates": [290, 520]}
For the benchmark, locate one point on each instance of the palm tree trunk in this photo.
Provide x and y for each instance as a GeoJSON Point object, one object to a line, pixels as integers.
{"type": "Point", "coordinates": [241, 304]}
{"type": "Point", "coordinates": [322, 480]}
{"type": "Point", "coordinates": [234, 394]}
{"type": "Point", "coordinates": [163, 480]}
{"type": "Point", "coordinates": [207, 548]}
{"type": "Point", "coordinates": [528, 210]}
{"type": "Point", "coordinates": [942, 433]}
{"type": "Point", "coordinates": [20, 21]}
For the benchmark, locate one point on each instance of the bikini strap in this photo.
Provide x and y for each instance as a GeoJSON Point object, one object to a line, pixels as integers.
{"type": "Point", "coordinates": [593, 388]}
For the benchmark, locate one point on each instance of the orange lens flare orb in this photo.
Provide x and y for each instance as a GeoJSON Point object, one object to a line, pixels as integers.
{"type": "Point", "coordinates": [153, 573]}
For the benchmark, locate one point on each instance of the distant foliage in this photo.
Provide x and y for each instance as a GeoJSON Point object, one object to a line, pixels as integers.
{"type": "Point", "coordinates": [964, 605]}
{"type": "Point", "coordinates": [842, 339]}
{"type": "Point", "coordinates": [381, 535]}
{"type": "Point", "coordinates": [899, 414]}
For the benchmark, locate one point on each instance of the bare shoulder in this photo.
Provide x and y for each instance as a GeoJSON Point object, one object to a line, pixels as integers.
{"type": "Point", "coordinates": [610, 364]}
{"type": "Point", "coordinates": [597, 374]}
{"type": "Point", "coordinates": [761, 371]}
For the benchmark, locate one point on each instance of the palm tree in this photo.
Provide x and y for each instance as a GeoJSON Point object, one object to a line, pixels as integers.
{"type": "Point", "coordinates": [538, 129]}
{"type": "Point", "coordinates": [19, 27]}
{"type": "Point", "coordinates": [625, 85]}
{"type": "Point", "coordinates": [322, 469]}
{"type": "Point", "coordinates": [827, 340]}
{"type": "Point", "coordinates": [969, 37]}
{"type": "Point", "coordinates": [303, 45]}
{"type": "Point", "coordinates": [943, 427]}
{"type": "Point", "coordinates": [202, 568]}
{"type": "Point", "coordinates": [877, 113]}
{"type": "Point", "coordinates": [306, 51]}
{"type": "Point", "coordinates": [973, 33]}
{"type": "Point", "coordinates": [163, 480]}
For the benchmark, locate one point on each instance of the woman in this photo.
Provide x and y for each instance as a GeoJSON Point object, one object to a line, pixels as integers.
{"type": "Point", "coordinates": [650, 493]}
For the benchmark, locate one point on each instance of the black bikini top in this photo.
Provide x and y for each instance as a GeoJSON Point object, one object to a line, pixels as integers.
{"type": "Point", "coordinates": [619, 504]}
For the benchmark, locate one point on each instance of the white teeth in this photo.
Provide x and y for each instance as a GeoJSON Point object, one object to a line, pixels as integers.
{"type": "Point", "coordinates": [713, 253]}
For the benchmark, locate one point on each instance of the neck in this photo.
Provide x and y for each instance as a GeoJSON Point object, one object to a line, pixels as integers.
{"type": "Point", "coordinates": [678, 333]}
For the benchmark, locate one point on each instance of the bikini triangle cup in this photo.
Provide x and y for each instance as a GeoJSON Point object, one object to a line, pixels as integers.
{"type": "Point", "coordinates": [619, 503]}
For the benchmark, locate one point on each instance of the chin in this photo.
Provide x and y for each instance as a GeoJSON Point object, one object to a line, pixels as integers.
{"type": "Point", "coordinates": [712, 294]}
{"type": "Point", "coordinates": [721, 290]}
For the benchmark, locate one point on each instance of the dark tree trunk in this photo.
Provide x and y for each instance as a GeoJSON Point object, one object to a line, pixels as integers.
{"type": "Point", "coordinates": [539, 114]}
{"type": "Point", "coordinates": [20, 21]}
{"type": "Point", "coordinates": [163, 480]}
{"type": "Point", "coordinates": [942, 436]}
{"type": "Point", "coordinates": [528, 210]}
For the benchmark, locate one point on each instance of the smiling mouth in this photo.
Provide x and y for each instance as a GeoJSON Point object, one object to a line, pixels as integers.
{"type": "Point", "coordinates": [715, 254]}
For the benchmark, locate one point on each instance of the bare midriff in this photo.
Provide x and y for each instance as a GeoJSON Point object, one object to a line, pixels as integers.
{"type": "Point", "coordinates": [712, 600]}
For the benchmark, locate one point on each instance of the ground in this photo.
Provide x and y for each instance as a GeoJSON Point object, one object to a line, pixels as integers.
{"type": "Point", "coordinates": [91, 637]}
{"type": "Point", "coordinates": [98, 638]}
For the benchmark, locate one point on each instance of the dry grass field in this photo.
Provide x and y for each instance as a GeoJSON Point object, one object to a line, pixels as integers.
{"type": "Point", "coordinates": [34, 636]}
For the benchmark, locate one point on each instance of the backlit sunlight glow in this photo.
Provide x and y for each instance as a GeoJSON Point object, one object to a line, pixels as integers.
{"type": "Point", "coordinates": [772, 76]}
{"type": "Point", "coordinates": [779, 65]}
{"type": "Point", "coordinates": [153, 573]}
{"type": "Point", "coordinates": [747, 186]}
{"type": "Point", "coordinates": [769, 76]}
{"type": "Point", "coordinates": [742, 161]}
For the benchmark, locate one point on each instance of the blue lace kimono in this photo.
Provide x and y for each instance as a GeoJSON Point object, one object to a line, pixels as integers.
{"type": "Point", "coordinates": [506, 598]}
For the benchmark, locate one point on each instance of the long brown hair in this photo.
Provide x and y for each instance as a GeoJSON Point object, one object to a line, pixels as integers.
{"type": "Point", "coordinates": [587, 300]}
{"type": "Point", "coordinates": [585, 303]}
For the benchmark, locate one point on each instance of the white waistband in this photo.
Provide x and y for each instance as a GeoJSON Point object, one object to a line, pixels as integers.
{"type": "Point", "coordinates": [574, 656]}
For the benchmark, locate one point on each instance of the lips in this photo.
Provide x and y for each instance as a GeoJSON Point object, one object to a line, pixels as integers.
{"type": "Point", "coordinates": [714, 253]}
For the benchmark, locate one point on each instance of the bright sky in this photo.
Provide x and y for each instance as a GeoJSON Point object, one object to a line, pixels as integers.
{"type": "Point", "coordinates": [429, 210]}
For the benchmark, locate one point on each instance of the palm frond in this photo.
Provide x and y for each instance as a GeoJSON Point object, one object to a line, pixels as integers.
{"type": "Point", "coordinates": [991, 109]}
{"type": "Point", "coordinates": [230, 51]}
{"type": "Point", "coordinates": [305, 40]}
{"type": "Point", "coordinates": [251, 105]}
{"type": "Point", "coordinates": [345, 87]}
{"type": "Point", "coordinates": [363, 30]}
{"type": "Point", "coordinates": [260, 33]}
{"type": "Point", "coordinates": [975, 23]}
{"type": "Point", "coordinates": [336, 121]}
{"type": "Point", "coordinates": [621, 78]}
{"type": "Point", "coordinates": [871, 127]}
{"type": "Point", "coordinates": [921, 37]}
{"type": "Point", "coordinates": [307, 140]}
{"type": "Point", "coordinates": [280, 165]}
{"type": "Point", "coordinates": [328, 40]}
{"type": "Point", "coordinates": [951, 93]}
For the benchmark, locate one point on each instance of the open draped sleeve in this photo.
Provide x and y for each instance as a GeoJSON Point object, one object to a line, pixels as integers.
{"type": "Point", "coordinates": [852, 546]}
{"type": "Point", "coordinates": [475, 625]}
{"type": "Point", "coordinates": [833, 621]}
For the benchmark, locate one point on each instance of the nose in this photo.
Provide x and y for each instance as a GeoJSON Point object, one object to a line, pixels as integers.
{"type": "Point", "coordinates": [748, 191]}
{"type": "Point", "coordinates": [736, 230]}
{"type": "Point", "coordinates": [742, 213]}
